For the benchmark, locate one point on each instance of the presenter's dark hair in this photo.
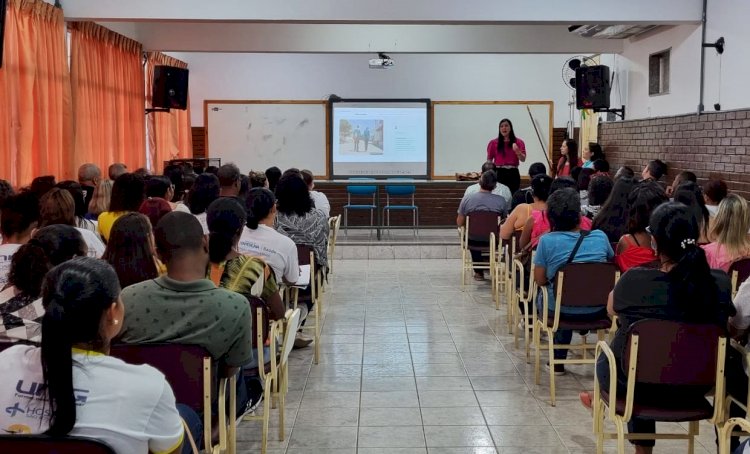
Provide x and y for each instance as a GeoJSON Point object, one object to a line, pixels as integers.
{"type": "Point", "coordinates": [226, 218]}
{"type": "Point", "coordinates": [571, 157]}
{"type": "Point", "coordinates": [537, 168]}
{"type": "Point", "coordinates": [501, 141]}
{"type": "Point", "coordinates": [293, 195]}
{"type": "Point", "coordinates": [205, 190]}
{"type": "Point", "coordinates": [128, 193]}
{"type": "Point", "coordinates": [259, 204]}
{"type": "Point", "coordinates": [75, 295]}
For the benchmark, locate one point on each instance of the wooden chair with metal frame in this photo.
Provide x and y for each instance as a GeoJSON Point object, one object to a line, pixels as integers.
{"type": "Point", "coordinates": [287, 328]}
{"type": "Point", "coordinates": [727, 431]}
{"type": "Point", "coordinates": [504, 261]}
{"type": "Point", "coordinates": [188, 370]}
{"type": "Point", "coordinates": [739, 271]}
{"type": "Point", "coordinates": [306, 256]}
{"type": "Point", "coordinates": [44, 444]}
{"type": "Point", "coordinates": [581, 285]}
{"type": "Point", "coordinates": [264, 343]}
{"type": "Point", "coordinates": [477, 234]}
{"type": "Point", "coordinates": [523, 297]}
{"type": "Point", "coordinates": [679, 354]}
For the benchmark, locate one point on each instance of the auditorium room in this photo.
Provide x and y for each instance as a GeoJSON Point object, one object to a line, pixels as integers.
{"type": "Point", "coordinates": [384, 227]}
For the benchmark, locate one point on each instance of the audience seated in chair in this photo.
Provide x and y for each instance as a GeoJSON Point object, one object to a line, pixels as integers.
{"type": "Point", "coordinates": [21, 308]}
{"type": "Point", "coordinates": [161, 187]}
{"type": "Point", "coordinates": [81, 209]}
{"type": "Point", "coordinates": [89, 177]}
{"type": "Point", "coordinates": [131, 250]}
{"type": "Point", "coordinates": [99, 203]}
{"type": "Point", "coordinates": [229, 180]}
{"type": "Point", "coordinates": [525, 195]}
{"type": "Point", "coordinates": [85, 392]}
{"type": "Point", "coordinates": [298, 219]}
{"type": "Point", "coordinates": [320, 201]}
{"type": "Point", "coordinates": [681, 177]}
{"type": "Point", "coordinates": [128, 193]}
{"type": "Point", "coordinates": [538, 224]}
{"type": "Point", "coordinates": [599, 189]}
{"type": "Point", "coordinates": [540, 187]}
{"type": "Point", "coordinates": [500, 189]}
{"type": "Point", "coordinates": [612, 218]}
{"type": "Point", "coordinates": [191, 308]}
{"type": "Point", "coordinates": [730, 230]}
{"type": "Point", "coordinates": [204, 191]}
{"type": "Point", "coordinates": [714, 192]}
{"type": "Point", "coordinates": [58, 207]}
{"type": "Point", "coordinates": [567, 243]}
{"type": "Point", "coordinates": [654, 170]}
{"type": "Point", "coordinates": [20, 216]}
{"type": "Point", "coordinates": [683, 288]}
{"type": "Point", "coordinates": [273, 174]}
{"type": "Point", "coordinates": [262, 240]}
{"type": "Point", "coordinates": [691, 194]}
{"type": "Point", "coordinates": [634, 248]}
{"type": "Point", "coordinates": [486, 201]}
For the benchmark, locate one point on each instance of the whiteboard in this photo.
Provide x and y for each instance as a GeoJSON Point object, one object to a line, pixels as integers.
{"type": "Point", "coordinates": [462, 129]}
{"type": "Point", "coordinates": [256, 135]}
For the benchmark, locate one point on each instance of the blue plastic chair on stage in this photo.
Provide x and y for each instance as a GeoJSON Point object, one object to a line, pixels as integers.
{"type": "Point", "coordinates": [401, 192]}
{"type": "Point", "coordinates": [360, 191]}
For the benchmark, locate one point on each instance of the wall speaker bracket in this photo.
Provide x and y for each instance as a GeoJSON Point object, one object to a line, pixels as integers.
{"type": "Point", "coordinates": [718, 45]}
{"type": "Point", "coordinates": [148, 111]}
{"type": "Point", "coordinates": [620, 112]}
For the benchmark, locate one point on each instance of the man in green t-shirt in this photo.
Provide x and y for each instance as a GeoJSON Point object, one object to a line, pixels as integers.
{"type": "Point", "coordinates": [183, 307]}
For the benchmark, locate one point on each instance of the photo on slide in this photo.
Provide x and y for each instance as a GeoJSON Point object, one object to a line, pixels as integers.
{"type": "Point", "coordinates": [360, 136]}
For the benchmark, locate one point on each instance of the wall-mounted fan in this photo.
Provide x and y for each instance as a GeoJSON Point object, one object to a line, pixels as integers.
{"type": "Point", "coordinates": [569, 79]}
{"type": "Point", "coordinates": [570, 66]}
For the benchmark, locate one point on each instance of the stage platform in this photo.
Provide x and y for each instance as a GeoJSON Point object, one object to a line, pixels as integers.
{"type": "Point", "coordinates": [398, 244]}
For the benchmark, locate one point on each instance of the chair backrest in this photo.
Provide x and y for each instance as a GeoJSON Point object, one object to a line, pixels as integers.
{"type": "Point", "coordinates": [43, 444]}
{"type": "Point", "coordinates": [481, 223]}
{"type": "Point", "coordinates": [400, 190]}
{"type": "Point", "coordinates": [363, 189]}
{"type": "Point", "coordinates": [586, 284]}
{"type": "Point", "coordinates": [183, 366]}
{"type": "Point", "coordinates": [260, 311]}
{"type": "Point", "coordinates": [290, 331]}
{"type": "Point", "coordinates": [674, 353]}
{"type": "Point", "coordinates": [742, 269]}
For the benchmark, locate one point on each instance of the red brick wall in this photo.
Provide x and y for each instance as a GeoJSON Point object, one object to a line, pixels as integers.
{"type": "Point", "coordinates": [714, 144]}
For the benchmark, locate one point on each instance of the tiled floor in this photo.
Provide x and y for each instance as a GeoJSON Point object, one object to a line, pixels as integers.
{"type": "Point", "coordinates": [410, 364]}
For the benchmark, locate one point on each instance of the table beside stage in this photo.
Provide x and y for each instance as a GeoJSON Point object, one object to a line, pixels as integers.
{"type": "Point", "coordinates": [437, 200]}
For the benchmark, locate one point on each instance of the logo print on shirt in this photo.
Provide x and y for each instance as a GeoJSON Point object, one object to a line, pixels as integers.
{"type": "Point", "coordinates": [14, 409]}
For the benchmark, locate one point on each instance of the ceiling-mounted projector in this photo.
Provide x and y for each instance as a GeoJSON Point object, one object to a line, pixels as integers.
{"type": "Point", "coordinates": [382, 62]}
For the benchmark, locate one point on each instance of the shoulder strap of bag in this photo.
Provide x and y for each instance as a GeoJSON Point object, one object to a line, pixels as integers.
{"type": "Point", "coordinates": [584, 234]}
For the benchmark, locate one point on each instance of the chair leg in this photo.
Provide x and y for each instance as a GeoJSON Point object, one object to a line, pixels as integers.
{"type": "Point", "coordinates": [526, 329]}
{"type": "Point", "coordinates": [551, 344]}
{"type": "Point", "coordinates": [537, 347]}
{"type": "Point", "coordinates": [620, 435]}
{"type": "Point", "coordinates": [463, 269]}
{"type": "Point", "coordinates": [282, 400]}
{"type": "Point", "coordinates": [346, 223]}
{"type": "Point", "coordinates": [317, 333]}
{"type": "Point", "coordinates": [693, 428]}
{"type": "Point", "coordinates": [599, 426]}
{"type": "Point", "coordinates": [266, 417]}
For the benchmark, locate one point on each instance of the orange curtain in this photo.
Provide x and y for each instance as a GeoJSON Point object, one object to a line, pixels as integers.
{"type": "Point", "coordinates": [168, 133]}
{"type": "Point", "coordinates": [106, 74]}
{"type": "Point", "coordinates": [35, 100]}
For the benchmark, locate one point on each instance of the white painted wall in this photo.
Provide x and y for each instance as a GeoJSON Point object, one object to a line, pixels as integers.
{"type": "Point", "coordinates": [473, 77]}
{"type": "Point", "coordinates": [726, 18]}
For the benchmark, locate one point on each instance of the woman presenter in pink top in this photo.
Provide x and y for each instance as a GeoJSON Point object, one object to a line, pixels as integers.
{"type": "Point", "coordinates": [506, 152]}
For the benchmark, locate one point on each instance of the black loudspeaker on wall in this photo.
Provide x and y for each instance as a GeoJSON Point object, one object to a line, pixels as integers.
{"type": "Point", "coordinates": [170, 87]}
{"type": "Point", "coordinates": [592, 87]}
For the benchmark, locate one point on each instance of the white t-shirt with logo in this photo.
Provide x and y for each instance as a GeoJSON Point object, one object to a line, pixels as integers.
{"type": "Point", "coordinates": [277, 250]}
{"type": "Point", "coordinates": [321, 202]}
{"type": "Point", "coordinates": [6, 255]}
{"type": "Point", "coordinates": [95, 245]}
{"type": "Point", "coordinates": [131, 408]}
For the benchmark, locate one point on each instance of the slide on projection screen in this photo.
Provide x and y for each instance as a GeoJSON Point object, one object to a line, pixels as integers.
{"type": "Point", "coordinates": [379, 138]}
